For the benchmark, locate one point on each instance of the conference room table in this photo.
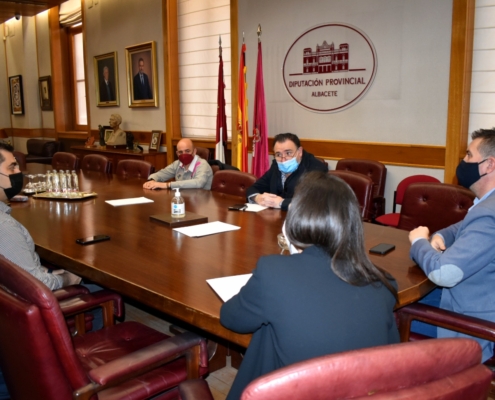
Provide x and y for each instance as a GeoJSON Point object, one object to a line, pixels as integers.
{"type": "Point", "coordinates": [151, 263]}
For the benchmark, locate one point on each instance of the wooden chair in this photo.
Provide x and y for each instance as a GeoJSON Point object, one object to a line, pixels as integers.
{"type": "Point", "coordinates": [125, 360]}
{"type": "Point", "coordinates": [96, 162]}
{"type": "Point", "coordinates": [65, 161]}
{"type": "Point", "coordinates": [392, 219]}
{"type": "Point", "coordinates": [362, 187]}
{"type": "Point", "coordinates": [434, 205]}
{"type": "Point", "coordinates": [447, 369]}
{"type": "Point", "coordinates": [232, 182]}
{"type": "Point", "coordinates": [134, 169]}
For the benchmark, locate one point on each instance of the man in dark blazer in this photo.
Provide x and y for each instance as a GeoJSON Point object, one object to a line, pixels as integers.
{"type": "Point", "coordinates": [107, 92]}
{"type": "Point", "coordinates": [276, 187]}
{"type": "Point", "coordinates": [142, 89]}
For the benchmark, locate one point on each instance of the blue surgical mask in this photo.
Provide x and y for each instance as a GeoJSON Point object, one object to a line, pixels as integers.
{"type": "Point", "coordinates": [289, 166]}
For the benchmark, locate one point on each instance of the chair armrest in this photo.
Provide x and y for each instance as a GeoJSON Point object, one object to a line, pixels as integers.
{"type": "Point", "coordinates": [194, 389]}
{"type": "Point", "coordinates": [188, 344]}
{"type": "Point", "coordinates": [472, 326]}
{"type": "Point", "coordinates": [70, 291]}
{"type": "Point", "coordinates": [86, 302]}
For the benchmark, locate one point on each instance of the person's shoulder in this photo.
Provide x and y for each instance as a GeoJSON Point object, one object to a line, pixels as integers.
{"type": "Point", "coordinates": [311, 162]}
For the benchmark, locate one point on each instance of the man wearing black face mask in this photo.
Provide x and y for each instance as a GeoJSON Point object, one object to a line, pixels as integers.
{"type": "Point", "coordinates": [16, 243]}
{"type": "Point", "coordinates": [461, 258]}
{"type": "Point", "coordinates": [190, 171]}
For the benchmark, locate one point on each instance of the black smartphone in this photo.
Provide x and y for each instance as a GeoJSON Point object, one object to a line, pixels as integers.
{"type": "Point", "coordinates": [238, 207]}
{"type": "Point", "coordinates": [92, 239]}
{"type": "Point", "coordinates": [382, 248]}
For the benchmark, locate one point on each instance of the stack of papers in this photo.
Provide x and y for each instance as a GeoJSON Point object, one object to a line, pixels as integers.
{"type": "Point", "coordinates": [126, 202]}
{"type": "Point", "coordinates": [207, 229]}
{"type": "Point", "coordinates": [228, 286]}
{"type": "Point", "coordinates": [254, 207]}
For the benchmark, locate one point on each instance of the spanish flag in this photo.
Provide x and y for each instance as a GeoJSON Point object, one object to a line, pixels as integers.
{"type": "Point", "coordinates": [242, 115]}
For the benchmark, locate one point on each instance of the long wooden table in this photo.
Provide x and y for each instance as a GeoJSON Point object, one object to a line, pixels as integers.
{"type": "Point", "coordinates": [149, 262]}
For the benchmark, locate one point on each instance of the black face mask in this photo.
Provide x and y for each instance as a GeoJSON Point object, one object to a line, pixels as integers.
{"type": "Point", "coordinates": [468, 173]}
{"type": "Point", "coordinates": [16, 183]}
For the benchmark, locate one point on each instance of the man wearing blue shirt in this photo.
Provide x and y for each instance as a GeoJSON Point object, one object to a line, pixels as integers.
{"type": "Point", "coordinates": [461, 258]}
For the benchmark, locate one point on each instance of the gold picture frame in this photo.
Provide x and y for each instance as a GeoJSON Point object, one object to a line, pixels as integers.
{"type": "Point", "coordinates": [106, 80]}
{"type": "Point", "coordinates": [108, 133]}
{"type": "Point", "coordinates": [156, 137]}
{"type": "Point", "coordinates": [16, 95]}
{"type": "Point", "coordinates": [45, 88]}
{"type": "Point", "coordinates": [142, 79]}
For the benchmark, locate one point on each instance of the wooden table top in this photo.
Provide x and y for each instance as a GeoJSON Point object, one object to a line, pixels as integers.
{"type": "Point", "coordinates": [149, 262]}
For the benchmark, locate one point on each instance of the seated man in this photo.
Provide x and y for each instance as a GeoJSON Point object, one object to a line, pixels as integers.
{"type": "Point", "coordinates": [190, 171]}
{"type": "Point", "coordinates": [276, 187]}
{"type": "Point", "coordinates": [461, 258]}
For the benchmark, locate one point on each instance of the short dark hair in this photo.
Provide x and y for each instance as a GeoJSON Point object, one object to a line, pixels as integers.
{"type": "Point", "coordinates": [6, 147]}
{"type": "Point", "coordinates": [487, 144]}
{"type": "Point", "coordinates": [282, 137]}
{"type": "Point", "coordinates": [325, 212]}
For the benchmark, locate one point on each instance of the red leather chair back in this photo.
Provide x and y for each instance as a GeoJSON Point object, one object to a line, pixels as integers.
{"type": "Point", "coordinates": [21, 159]}
{"type": "Point", "coordinates": [65, 161]}
{"type": "Point", "coordinates": [435, 205]}
{"type": "Point", "coordinates": [374, 169]}
{"type": "Point", "coordinates": [29, 319]}
{"type": "Point", "coordinates": [134, 169]}
{"type": "Point", "coordinates": [96, 162]}
{"type": "Point", "coordinates": [404, 184]}
{"type": "Point", "coordinates": [41, 151]}
{"type": "Point", "coordinates": [203, 152]}
{"type": "Point", "coordinates": [232, 182]}
{"type": "Point", "coordinates": [362, 186]}
{"type": "Point", "coordinates": [430, 369]}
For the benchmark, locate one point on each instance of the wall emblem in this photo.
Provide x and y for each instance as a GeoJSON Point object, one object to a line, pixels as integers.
{"type": "Point", "coordinates": [329, 67]}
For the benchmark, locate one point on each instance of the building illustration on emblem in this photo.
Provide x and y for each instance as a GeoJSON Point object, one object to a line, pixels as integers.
{"type": "Point", "coordinates": [326, 58]}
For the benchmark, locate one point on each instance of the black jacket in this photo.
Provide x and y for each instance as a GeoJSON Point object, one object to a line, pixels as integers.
{"type": "Point", "coordinates": [271, 182]}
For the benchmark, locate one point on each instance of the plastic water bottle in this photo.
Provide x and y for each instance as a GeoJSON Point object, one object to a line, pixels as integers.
{"type": "Point", "coordinates": [75, 182]}
{"type": "Point", "coordinates": [55, 183]}
{"type": "Point", "coordinates": [178, 205]}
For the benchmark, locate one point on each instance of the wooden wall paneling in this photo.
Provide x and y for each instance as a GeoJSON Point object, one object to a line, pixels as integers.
{"type": "Point", "coordinates": [461, 56]}
{"type": "Point", "coordinates": [171, 68]}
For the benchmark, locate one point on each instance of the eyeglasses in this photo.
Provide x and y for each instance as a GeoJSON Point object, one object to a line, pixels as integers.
{"type": "Point", "coordinates": [287, 154]}
{"type": "Point", "coordinates": [186, 151]}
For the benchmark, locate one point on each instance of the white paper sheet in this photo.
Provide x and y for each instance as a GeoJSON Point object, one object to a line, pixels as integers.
{"type": "Point", "coordinates": [254, 207]}
{"type": "Point", "coordinates": [207, 229]}
{"type": "Point", "coordinates": [126, 202]}
{"type": "Point", "coordinates": [228, 286]}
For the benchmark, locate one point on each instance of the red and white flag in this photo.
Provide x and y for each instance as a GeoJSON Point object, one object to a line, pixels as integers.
{"type": "Point", "coordinates": [221, 131]}
{"type": "Point", "coordinates": [242, 115]}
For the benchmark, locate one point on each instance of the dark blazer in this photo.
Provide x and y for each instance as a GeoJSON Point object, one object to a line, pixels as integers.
{"type": "Point", "coordinates": [104, 93]}
{"type": "Point", "coordinates": [299, 309]}
{"type": "Point", "coordinates": [271, 181]}
{"type": "Point", "coordinates": [142, 91]}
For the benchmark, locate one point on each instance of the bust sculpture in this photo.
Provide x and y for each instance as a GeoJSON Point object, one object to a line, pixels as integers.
{"type": "Point", "coordinates": [118, 137]}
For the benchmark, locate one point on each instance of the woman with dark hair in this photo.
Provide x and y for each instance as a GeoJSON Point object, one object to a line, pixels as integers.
{"type": "Point", "coordinates": [327, 297]}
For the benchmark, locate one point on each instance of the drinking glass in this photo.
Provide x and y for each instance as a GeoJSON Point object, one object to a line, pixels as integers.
{"type": "Point", "coordinates": [282, 243]}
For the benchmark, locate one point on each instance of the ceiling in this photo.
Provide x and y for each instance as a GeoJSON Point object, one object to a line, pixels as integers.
{"type": "Point", "coordinates": [26, 8]}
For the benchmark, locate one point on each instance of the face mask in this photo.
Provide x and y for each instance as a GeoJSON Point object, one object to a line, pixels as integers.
{"type": "Point", "coordinates": [468, 173]}
{"type": "Point", "coordinates": [186, 159]}
{"type": "Point", "coordinates": [16, 183]}
{"type": "Point", "coordinates": [292, 248]}
{"type": "Point", "coordinates": [289, 166]}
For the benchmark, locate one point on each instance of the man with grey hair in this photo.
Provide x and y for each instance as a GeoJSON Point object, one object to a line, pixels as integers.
{"type": "Point", "coordinates": [461, 258]}
{"type": "Point", "coordinates": [107, 92]}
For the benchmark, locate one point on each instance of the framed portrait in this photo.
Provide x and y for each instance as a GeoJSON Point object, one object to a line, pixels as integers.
{"type": "Point", "coordinates": [16, 96]}
{"type": "Point", "coordinates": [106, 80]}
{"type": "Point", "coordinates": [108, 133]}
{"type": "Point", "coordinates": [142, 83]}
{"type": "Point", "coordinates": [155, 140]}
{"type": "Point", "coordinates": [45, 87]}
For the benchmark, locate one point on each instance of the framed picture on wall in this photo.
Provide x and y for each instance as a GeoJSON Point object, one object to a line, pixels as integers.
{"type": "Point", "coordinates": [16, 96]}
{"type": "Point", "coordinates": [142, 83]}
{"type": "Point", "coordinates": [108, 133]}
{"type": "Point", "coordinates": [106, 80]}
{"type": "Point", "coordinates": [45, 87]}
{"type": "Point", "coordinates": [155, 140]}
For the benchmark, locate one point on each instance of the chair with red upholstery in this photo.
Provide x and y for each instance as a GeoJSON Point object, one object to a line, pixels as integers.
{"type": "Point", "coordinates": [203, 152]}
{"type": "Point", "coordinates": [434, 205]}
{"type": "Point", "coordinates": [134, 169]}
{"type": "Point", "coordinates": [41, 150]}
{"type": "Point", "coordinates": [378, 174]}
{"type": "Point", "coordinates": [21, 160]}
{"type": "Point", "coordinates": [447, 369]}
{"type": "Point", "coordinates": [392, 219]}
{"type": "Point", "coordinates": [232, 182]}
{"type": "Point", "coordinates": [96, 162]}
{"type": "Point", "coordinates": [65, 161]}
{"type": "Point", "coordinates": [39, 359]}
{"type": "Point", "coordinates": [362, 186]}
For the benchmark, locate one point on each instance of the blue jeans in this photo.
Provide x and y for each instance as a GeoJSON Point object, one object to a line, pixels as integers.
{"type": "Point", "coordinates": [432, 299]}
{"type": "Point", "coordinates": [97, 314]}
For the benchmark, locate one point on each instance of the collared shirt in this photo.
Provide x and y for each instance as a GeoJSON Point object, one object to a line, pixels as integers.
{"type": "Point", "coordinates": [17, 245]}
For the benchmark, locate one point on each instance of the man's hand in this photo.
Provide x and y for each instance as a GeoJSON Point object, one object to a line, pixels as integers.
{"type": "Point", "coordinates": [437, 243]}
{"type": "Point", "coordinates": [419, 233]}
{"type": "Point", "coordinates": [155, 185]}
{"type": "Point", "coordinates": [69, 278]}
{"type": "Point", "coordinates": [269, 200]}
